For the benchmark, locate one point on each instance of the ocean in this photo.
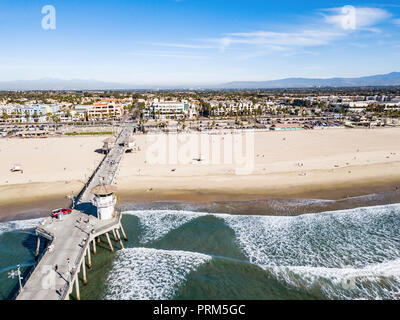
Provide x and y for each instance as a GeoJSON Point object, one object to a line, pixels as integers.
{"type": "Point", "coordinates": [183, 254]}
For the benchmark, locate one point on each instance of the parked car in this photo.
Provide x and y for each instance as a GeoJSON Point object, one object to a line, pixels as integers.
{"type": "Point", "coordinates": [56, 212]}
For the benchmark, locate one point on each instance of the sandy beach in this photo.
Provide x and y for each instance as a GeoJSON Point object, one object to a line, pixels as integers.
{"type": "Point", "coordinates": [320, 164]}
{"type": "Point", "coordinates": [325, 164]}
{"type": "Point", "coordinates": [52, 169]}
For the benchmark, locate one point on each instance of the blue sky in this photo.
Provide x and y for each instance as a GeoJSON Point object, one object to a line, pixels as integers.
{"type": "Point", "coordinates": [171, 42]}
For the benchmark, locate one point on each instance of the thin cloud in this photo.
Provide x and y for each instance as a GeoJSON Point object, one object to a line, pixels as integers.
{"type": "Point", "coordinates": [325, 31]}
{"type": "Point", "coordinates": [305, 38]}
{"type": "Point", "coordinates": [183, 45]}
{"type": "Point", "coordinates": [174, 55]}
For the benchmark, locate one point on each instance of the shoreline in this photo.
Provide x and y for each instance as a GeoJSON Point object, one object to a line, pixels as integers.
{"type": "Point", "coordinates": [309, 198]}
{"type": "Point", "coordinates": [332, 165]}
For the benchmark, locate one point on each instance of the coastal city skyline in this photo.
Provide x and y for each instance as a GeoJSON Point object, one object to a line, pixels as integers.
{"type": "Point", "coordinates": [198, 43]}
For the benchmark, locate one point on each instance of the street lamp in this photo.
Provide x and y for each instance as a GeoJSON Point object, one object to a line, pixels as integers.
{"type": "Point", "coordinates": [72, 198]}
{"type": "Point", "coordinates": [16, 273]}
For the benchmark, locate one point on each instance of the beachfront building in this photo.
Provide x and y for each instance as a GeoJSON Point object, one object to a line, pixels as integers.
{"type": "Point", "coordinates": [105, 109]}
{"type": "Point", "coordinates": [168, 110]}
{"type": "Point", "coordinates": [80, 112]}
{"type": "Point", "coordinates": [22, 114]}
{"type": "Point", "coordinates": [358, 106]}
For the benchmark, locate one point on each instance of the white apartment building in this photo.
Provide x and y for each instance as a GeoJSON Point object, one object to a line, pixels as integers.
{"type": "Point", "coordinates": [170, 109]}
{"type": "Point", "coordinates": [359, 106]}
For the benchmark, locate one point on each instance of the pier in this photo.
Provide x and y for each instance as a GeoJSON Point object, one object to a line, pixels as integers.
{"type": "Point", "coordinates": [71, 241]}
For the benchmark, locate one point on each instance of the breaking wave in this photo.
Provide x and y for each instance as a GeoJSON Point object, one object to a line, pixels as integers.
{"type": "Point", "coordinates": [377, 282]}
{"type": "Point", "coordinates": [156, 224]}
{"type": "Point", "coordinates": [19, 225]}
{"type": "Point", "coordinates": [357, 237]}
{"type": "Point", "coordinates": [342, 254]}
{"type": "Point", "coordinates": [150, 274]}
{"type": "Point", "coordinates": [347, 254]}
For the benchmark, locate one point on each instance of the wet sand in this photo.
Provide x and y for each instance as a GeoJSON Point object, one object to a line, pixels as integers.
{"type": "Point", "coordinates": [283, 203]}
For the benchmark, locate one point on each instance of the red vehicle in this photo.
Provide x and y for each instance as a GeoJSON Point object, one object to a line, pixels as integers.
{"type": "Point", "coordinates": [56, 212]}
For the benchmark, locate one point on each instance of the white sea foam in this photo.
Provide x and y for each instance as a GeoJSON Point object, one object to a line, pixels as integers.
{"type": "Point", "coordinates": [150, 274]}
{"type": "Point", "coordinates": [314, 251]}
{"type": "Point", "coordinates": [379, 281]}
{"type": "Point", "coordinates": [157, 223]}
{"type": "Point", "coordinates": [19, 225]}
{"type": "Point", "coordinates": [332, 239]}
{"type": "Point", "coordinates": [323, 251]}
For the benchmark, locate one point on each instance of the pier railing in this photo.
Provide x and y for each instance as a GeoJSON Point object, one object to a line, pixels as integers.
{"type": "Point", "coordinates": [79, 196]}
{"type": "Point", "coordinates": [81, 255]}
{"type": "Point", "coordinates": [47, 234]}
{"type": "Point", "coordinates": [82, 192]}
{"type": "Point", "coordinates": [66, 288]}
{"type": "Point", "coordinates": [116, 220]}
{"type": "Point", "coordinates": [24, 280]}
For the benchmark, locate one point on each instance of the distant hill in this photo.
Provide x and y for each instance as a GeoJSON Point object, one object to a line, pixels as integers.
{"type": "Point", "coordinates": [390, 79]}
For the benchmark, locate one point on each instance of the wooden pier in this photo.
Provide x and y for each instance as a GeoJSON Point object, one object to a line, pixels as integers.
{"type": "Point", "coordinates": [72, 240]}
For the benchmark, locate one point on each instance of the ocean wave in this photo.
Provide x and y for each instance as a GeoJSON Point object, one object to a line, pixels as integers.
{"type": "Point", "coordinates": [150, 274]}
{"type": "Point", "coordinates": [357, 237]}
{"type": "Point", "coordinates": [157, 223]}
{"type": "Point", "coordinates": [19, 225]}
{"type": "Point", "coordinates": [346, 254]}
{"type": "Point", "coordinates": [377, 282]}
{"type": "Point", "coordinates": [334, 239]}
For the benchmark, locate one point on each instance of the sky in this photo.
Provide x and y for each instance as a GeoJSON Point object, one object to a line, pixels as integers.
{"type": "Point", "coordinates": [199, 42]}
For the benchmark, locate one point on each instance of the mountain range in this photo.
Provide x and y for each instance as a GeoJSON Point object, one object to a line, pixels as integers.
{"type": "Point", "coordinates": [390, 79]}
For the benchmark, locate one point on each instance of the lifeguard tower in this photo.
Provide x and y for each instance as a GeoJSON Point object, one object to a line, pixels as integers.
{"type": "Point", "coordinates": [105, 201]}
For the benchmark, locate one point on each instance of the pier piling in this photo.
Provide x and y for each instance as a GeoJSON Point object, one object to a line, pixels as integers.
{"type": "Point", "coordinates": [94, 246]}
{"type": "Point", "coordinates": [78, 296]}
{"type": "Point", "coordinates": [109, 242]}
{"type": "Point", "coordinates": [89, 258]}
{"type": "Point", "coordinates": [123, 233]}
{"type": "Point", "coordinates": [84, 272]}
{"type": "Point", "coordinates": [119, 238]}
{"type": "Point", "coordinates": [37, 248]}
